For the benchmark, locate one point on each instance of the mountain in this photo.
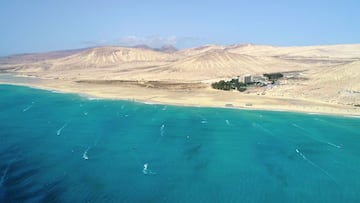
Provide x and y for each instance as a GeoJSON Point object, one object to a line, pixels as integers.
{"type": "Point", "coordinates": [164, 48]}
{"type": "Point", "coordinates": [167, 49]}
{"type": "Point", "coordinates": [34, 57]}
{"type": "Point", "coordinates": [324, 73]}
{"type": "Point", "coordinates": [196, 64]}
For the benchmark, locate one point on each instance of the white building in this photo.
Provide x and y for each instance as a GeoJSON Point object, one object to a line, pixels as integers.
{"type": "Point", "coordinates": [247, 79]}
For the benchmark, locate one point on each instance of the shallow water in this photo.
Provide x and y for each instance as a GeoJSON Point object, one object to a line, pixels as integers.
{"type": "Point", "coordinates": [66, 148]}
{"type": "Point", "coordinates": [11, 78]}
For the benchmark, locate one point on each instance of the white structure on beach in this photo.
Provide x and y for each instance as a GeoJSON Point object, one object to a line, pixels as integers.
{"type": "Point", "coordinates": [247, 78]}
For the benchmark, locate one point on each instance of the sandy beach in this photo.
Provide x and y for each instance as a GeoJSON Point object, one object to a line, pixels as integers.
{"type": "Point", "coordinates": [199, 95]}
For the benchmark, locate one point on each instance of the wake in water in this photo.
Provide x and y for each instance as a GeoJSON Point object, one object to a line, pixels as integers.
{"type": "Point", "coordinates": [147, 171]}
{"type": "Point", "coordinates": [315, 165]}
{"type": "Point", "coordinates": [256, 125]}
{"type": "Point", "coordinates": [158, 140]}
{"type": "Point", "coordinates": [162, 128]}
{"type": "Point", "coordinates": [3, 177]}
{"type": "Point", "coordinates": [227, 122]}
{"type": "Point", "coordinates": [318, 140]}
{"type": "Point", "coordinates": [58, 132]}
{"type": "Point", "coordinates": [150, 153]}
{"type": "Point", "coordinates": [28, 107]}
{"type": "Point", "coordinates": [334, 145]}
{"type": "Point", "coordinates": [204, 121]}
{"type": "Point", "coordinates": [85, 155]}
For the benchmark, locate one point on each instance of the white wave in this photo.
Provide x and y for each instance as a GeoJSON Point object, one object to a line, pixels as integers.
{"type": "Point", "coordinates": [204, 121]}
{"type": "Point", "coordinates": [313, 113]}
{"type": "Point", "coordinates": [315, 165]}
{"type": "Point", "coordinates": [28, 107]}
{"type": "Point", "coordinates": [149, 103]}
{"type": "Point", "coordinates": [352, 116]}
{"type": "Point", "coordinates": [162, 129]}
{"type": "Point", "coordinates": [227, 122]}
{"type": "Point", "coordinates": [56, 91]}
{"type": "Point", "coordinates": [58, 132]}
{"type": "Point", "coordinates": [164, 108]}
{"type": "Point", "coordinates": [334, 145]}
{"type": "Point", "coordinates": [86, 113]}
{"type": "Point", "coordinates": [93, 98]}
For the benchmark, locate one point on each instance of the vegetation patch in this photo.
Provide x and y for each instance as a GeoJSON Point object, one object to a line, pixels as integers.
{"type": "Point", "coordinates": [233, 84]}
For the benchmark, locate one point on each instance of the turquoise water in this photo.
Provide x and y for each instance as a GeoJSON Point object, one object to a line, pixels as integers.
{"type": "Point", "coordinates": [66, 148]}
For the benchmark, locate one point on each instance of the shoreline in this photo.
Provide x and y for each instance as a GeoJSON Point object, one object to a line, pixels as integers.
{"type": "Point", "coordinates": [94, 95]}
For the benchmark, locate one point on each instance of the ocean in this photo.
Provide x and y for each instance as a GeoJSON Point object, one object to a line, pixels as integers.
{"type": "Point", "coordinates": [67, 148]}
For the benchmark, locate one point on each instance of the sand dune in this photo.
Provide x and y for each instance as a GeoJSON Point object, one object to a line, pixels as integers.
{"type": "Point", "coordinates": [220, 63]}
{"type": "Point", "coordinates": [350, 51]}
{"type": "Point", "coordinates": [340, 83]}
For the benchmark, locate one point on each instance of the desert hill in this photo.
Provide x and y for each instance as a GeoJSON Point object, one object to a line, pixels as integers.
{"type": "Point", "coordinates": [202, 63]}
{"type": "Point", "coordinates": [350, 51]}
{"type": "Point", "coordinates": [330, 73]}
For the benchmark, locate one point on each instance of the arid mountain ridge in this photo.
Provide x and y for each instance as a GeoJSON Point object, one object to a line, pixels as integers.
{"type": "Point", "coordinates": [327, 73]}
{"type": "Point", "coordinates": [201, 63]}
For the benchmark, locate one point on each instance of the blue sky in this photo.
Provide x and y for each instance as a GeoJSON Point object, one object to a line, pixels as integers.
{"type": "Point", "coordinates": [39, 26]}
